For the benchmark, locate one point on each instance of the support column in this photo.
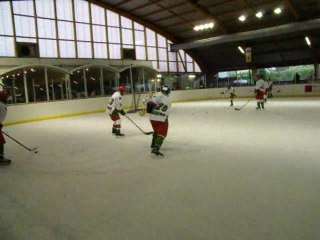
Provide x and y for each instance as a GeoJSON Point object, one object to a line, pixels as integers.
{"type": "Point", "coordinates": [46, 81]}
{"type": "Point", "coordinates": [317, 71]}
{"type": "Point", "coordinates": [101, 82]}
{"type": "Point", "coordinates": [25, 87]}
{"type": "Point", "coordinates": [85, 83]}
{"type": "Point", "coordinates": [116, 79]}
{"type": "Point", "coordinates": [68, 88]}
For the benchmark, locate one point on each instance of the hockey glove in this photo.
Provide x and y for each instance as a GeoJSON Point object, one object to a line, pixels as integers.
{"type": "Point", "coordinates": [150, 107]}
{"type": "Point", "coordinates": [122, 112]}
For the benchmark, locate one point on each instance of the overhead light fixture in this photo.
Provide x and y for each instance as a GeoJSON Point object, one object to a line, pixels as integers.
{"type": "Point", "coordinates": [259, 14]}
{"type": "Point", "coordinates": [159, 75]}
{"type": "Point", "coordinates": [308, 41]}
{"type": "Point", "coordinates": [191, 76]}
{"type": "Point", "coordinates": [204, 26]}
{"type": "Point", "coordinates": [242, 18]}
{"type": "Point", "coordinates": [277, 10]}
{"type": "Point", "coordinates": [241, 49]}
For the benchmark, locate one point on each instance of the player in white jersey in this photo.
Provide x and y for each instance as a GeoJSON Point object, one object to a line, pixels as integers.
{"type": "Point", "coordinates": [266, 87]}
{"type": "Point", "coordinates": [3, 114]}
{"type": "Point", "coordinates": [232, 93]}
{"type": "Point", "coordinates": [145, 101]}
{"type": "Point", "coordinates": [114, 108]}
{"type": "Point", "coordinates": [159, 108]}
{"type": "Point", "coordinates": [259, 90]}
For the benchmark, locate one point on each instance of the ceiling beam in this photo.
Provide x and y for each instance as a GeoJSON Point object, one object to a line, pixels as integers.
{"type": "Point", "coordinates": [150, 3]}
{"type": "Point", "coordinates": [162, 10]}
{"type": "Point", "coordinates": [173, 16]}
{"type": "Point", "coordinates": [256, 34]}
{"type": "Point", "coordinates": [122, 3]}
{"type": "Point", "coordinates": [293, 10]}
{"type": "Point", "coordinates": [195, 4]}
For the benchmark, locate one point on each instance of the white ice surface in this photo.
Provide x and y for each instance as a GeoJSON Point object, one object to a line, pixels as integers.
{"type": "Point", "coordinates": [226, 175]}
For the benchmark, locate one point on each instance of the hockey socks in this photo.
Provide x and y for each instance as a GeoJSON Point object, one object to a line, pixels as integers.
{"type": "Point", "coordinates": [154, 136]}
{"type": "Point", "coordinates": [157, 145]}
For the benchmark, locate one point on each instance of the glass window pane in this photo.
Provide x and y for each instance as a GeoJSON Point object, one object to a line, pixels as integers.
{"type": "Point", "coordinates": [83, 32]}
{"type": "Point", "coordinates": [196, 67]}
{"type": "Point", "coordinates": [127, 36]}
{"type": "Point", "coordinates": [46, 28]}
{"type": "Point", "coordinates": [161, 41]}
{"type": "Point", "coordinates": [151, 37]}
{"type": "Point", "coordinates": [99, 34]}
{"type": "Point", "coordinates": [6, 47]}
{"type": "Point", "coordinates": [190, 67]}
{"type": "Point", "coordinates": [84, 50]}
{"type": "Point", "coordinates": [172, 56]}
{"type": "Point", "coordinates": [155, 65]}
{"type": "Point", "coordinates": [162, 54]}
{"type": "Point", "coordinates": [45, 8]}
{"type": "Point", "coordinates": [112, 19]}
{"type": "Point", "coordinates": [114, 50]}
{"type": "Point", "coordinates": [141, 53]}
{"type": "Point", "coordinates": [163, 66]}
{"type": "Point", "coordinates": [6, 27]}
{"type": "Point", "coordinates": [152, 53]}
{"type": "Point", "coordinates": [25, 26]}
{"type": "Point", "coordinates": [180, 66]}
{"type": "Point", "coordinates": [81, 8]}
{"type": "Point", "coordinates": [173, 66]}
{"type": "Point", "coordinates": [65, 30]}
{"type": "Point", "coordinates": [139, 37]}
{"type": "Point", "coordinates": [138, 26]}
{"type": "Point", "coordinates": [114, 35]}
{"type": "Point", "coordinates": [67, 49]}
{"type": "Point", "coordinates": [126, 22]}
{"type": "Point", "coordinates": [97, 14]}
{"type": "Point", "coordinates": [31, 40]}
{"type": "Point", "coordinates": [64, 9]}
{"type": "Point", "coordinates": [100, 50]}
{"type": "Point", "coordinates": [23, 7]}
{"type": "Point", "coordinates": [181, 56]}
{"type": "Point", "coordinates": [48, 48]}
{"type": "Point", "coordinates": [189, 59]}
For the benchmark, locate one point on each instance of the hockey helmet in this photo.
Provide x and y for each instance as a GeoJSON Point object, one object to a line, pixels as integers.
{"type": "Point", "coordinates": [122, 88]}
{"type": "Point", "coordinates": [165, 90]}
{"type": "Point", "coordinates": [3, 95]}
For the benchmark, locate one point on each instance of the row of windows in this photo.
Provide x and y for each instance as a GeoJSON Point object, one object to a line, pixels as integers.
{"type": "Point", "coordinates": [78, 29]}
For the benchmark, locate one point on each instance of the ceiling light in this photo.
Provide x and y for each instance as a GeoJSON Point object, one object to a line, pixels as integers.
{"type": "Point", "coordinates": [241, 49]}
{"type": "Point", "coordinates": [159, 75]}
{"type": "Point", "coordinates": [259, 14]}
{"type": "Point", "coordinates": [203, 26]}
{"type": "Point", "coordinates": [277, 10]}
{"type": "Point", "coordinates": [242, 18]}
{"type": "Point", "coordinates": [191, 76]}
{"type": "Point", "coordinates": [308, 41]}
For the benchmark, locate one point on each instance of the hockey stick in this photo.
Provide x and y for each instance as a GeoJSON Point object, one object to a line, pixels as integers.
{"type": "Point", "coordinates": [35, 150]}
{"type": "Point", "coordinates": [238, 109]}
{"type": "Point", "coordinates": [147, 133]}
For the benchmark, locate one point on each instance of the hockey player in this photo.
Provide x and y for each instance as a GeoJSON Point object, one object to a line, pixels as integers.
{"type": "Point", "coordinates": [265, 87]}
{"type": "Point", "coordinates": [259, 91]}
{"type": "Point", "coordinates": [159, 108]}
{"type": "Point", "coordinates": [232, 93]}
{"type": "Point", "coordinates": [114, 108]}
{"type": "Point", "coordinates": [145, 101]}
{"type": "Point", "coordinates": [3, 114]}
{"type": "Point", "coordinates": [270, 89]}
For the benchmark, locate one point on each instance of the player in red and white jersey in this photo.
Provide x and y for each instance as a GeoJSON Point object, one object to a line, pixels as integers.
{"type": "Point", "coordinates": [232, 93]}
{"type": "Point", "coordinates": [114, 108]}
{"type": "Point", "coordinates": [259, 90]}
{"type": "Point", "coordinates": [266, 87]}
{"type": "Point", "coordinates": [159, 108]}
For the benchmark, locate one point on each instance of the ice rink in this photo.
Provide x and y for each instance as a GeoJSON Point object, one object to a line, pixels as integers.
{"type": "Point", "coordinates": [226, 175]}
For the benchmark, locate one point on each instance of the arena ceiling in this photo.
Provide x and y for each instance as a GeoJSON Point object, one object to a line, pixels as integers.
{"type": "Point", "coordinates": [275, 40]}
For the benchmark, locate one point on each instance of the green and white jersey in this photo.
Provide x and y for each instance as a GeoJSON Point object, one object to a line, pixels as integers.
{"type": "Point", "coordinates": [162, 109]}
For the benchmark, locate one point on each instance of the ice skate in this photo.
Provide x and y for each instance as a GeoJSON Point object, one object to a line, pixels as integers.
{"type": "Point", "coordinates": [156, 152]}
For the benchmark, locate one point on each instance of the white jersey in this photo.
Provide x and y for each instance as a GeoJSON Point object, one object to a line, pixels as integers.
{"type": "Point", "coordinates": [265, 85]}
{"type": "Point", "coordinates": [230, 91]}
{"type": "Point", "coordinates": [3, 112]}
{"type": "Point", "coordinates": [115, 102]}
{"type": "Point", "coordinates": [162, 109]}
{"type": "Point", "coordinates": [260, 85]}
